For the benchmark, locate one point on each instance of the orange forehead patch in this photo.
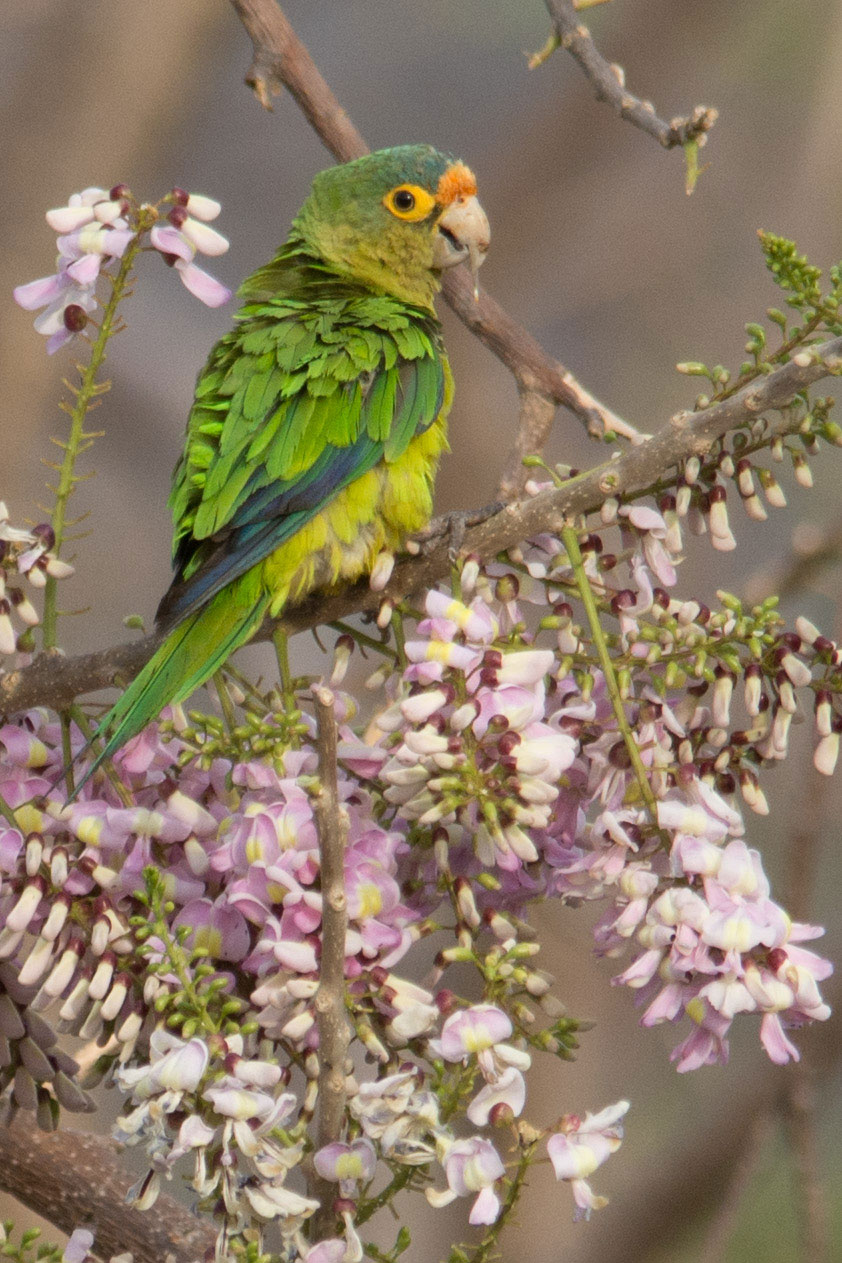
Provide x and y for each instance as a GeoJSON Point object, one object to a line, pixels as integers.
{"type": "Point", "coordinates": [458, 181]}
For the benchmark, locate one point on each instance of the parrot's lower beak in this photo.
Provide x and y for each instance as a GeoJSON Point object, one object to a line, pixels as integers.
{"type": "Point", "coordinates": [463, 236]}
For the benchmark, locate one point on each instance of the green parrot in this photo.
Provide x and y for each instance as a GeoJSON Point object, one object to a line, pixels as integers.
{"type": "Point", "coordinates": [318, 421]}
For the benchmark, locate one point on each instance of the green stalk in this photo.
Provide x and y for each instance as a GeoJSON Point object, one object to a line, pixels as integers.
{"type": "Point", "coordinates": [483, 1251]}
{"type": "Point", "coordinates": [571, 542]}
{"type": "Point", "coordinates": [79, 441]}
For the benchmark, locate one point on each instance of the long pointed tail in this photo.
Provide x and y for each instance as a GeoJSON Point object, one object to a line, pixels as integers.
{"type": "Point", "coordinates": [189, 656]}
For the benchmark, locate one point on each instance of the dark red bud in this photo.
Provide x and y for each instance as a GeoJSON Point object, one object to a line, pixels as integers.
{"type": "Point", "coordinates": [618, 756]}
{"type": "Point", "coordinates": [508, 742]}
{"type": "Point", "coordinates": [118, 192]}
{"type": "Point", "coordinates": [180, 197]}
{"type": "Point", "coordinates": [822, 645]}
{"type": "Point", "coordinates": [607, 562]}
{"type": "Point", "coordinates": [492, 658]}
{"type": "Point", "coordinates": [498, 723]}
{"type": "Point", "coordinates": [791, 640]}
{"type": "Point", "coordinates": [45, 534]}
{"type": "Point", "coordinates": [726, 783]}
{"type": "Point", "coordinates": [776, 958]}
{"type": "Point", "coordinates": [445, 1001]}
{"type": "Point", "coordinates": [75, 318]}
{"type": "Point", "coordinates": [501, 1114]}
{"type": "Point", "coordinates": [667, 503]}
{"type": "Point", "coordinates": [661, 597]}
{"type": "Point", "coordinates": [563, 609]}
{"type": "Point", "coordinates": [177, 216]}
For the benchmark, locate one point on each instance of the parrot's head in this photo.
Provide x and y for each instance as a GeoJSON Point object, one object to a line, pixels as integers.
{"type": "Point", "coordinates": [394, 219]}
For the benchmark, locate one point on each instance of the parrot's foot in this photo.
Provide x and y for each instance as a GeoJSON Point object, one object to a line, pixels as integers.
{"type": "Point", "coordinates": [451, 527]}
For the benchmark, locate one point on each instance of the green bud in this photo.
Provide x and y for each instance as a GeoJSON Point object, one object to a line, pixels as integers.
{"type": "Point", "coordinates": [693, 368]}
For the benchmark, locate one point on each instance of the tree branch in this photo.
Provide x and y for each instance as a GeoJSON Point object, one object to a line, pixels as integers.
{"type": "Point", "coordinates": [334, 1031]}
{"type": "Point", "coordinates": [74, 1179]}
{"type": "Point", "coordinates": [281, 60]}
{"type": "Point", "coordinates": [55, 681]}
{"type": "Point", "coordinates": [608, 82]}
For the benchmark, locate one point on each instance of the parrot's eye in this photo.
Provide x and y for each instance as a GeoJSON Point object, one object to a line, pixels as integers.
{"type": "Point", "coordinates": [410, 202]}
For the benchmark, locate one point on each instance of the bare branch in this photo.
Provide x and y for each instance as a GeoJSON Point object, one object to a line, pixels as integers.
{"type": "Point", "coordinates": [536, 419]}
{"type": "Point", "coordinates": [608, 82]}
{"type": "Point", "coordinates": [334, 1031]}
{"type": "Point", "coordinates": [746, 1158]}
{"type": "Point", "coordinates": [74, 1180]}
{"type": "Point", "coordinates": [55, 681]}
{"type": "Point", "coordinates": [281, 59]}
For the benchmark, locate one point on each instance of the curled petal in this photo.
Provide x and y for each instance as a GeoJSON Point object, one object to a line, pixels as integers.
{"type": "Point", "coordinates": [202, 207]}
{"type": "Point", "coordinates": [37, 294]}
{"type": "Point", "coordinates": [69, 218]}
{"type": "Point", "coordinates": [206, 240]}
{"type": "Point", "coordinates": [170, 241]}
{"type": "Point", "coordinates": [202, 285]}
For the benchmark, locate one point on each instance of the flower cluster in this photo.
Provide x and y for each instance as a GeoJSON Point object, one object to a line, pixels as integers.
{"type": "Point", "coordinates": [97, 227]}
{"type": "Point", "coordinates": [25, 555]}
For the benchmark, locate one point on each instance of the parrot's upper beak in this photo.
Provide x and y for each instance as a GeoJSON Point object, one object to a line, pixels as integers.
{"type": "Point", "coordinates": [463, 236]}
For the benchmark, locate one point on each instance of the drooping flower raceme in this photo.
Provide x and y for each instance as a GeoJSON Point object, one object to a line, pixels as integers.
{"type": "Point", "coordinates": [96, 228]}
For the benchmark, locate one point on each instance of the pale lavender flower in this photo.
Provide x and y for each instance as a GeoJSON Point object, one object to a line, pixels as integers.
{"type": "Point", "coordinates": [471, 1166]}
{"type": "Point", "coordinates": [346, 1164]}
{"type": "Point", "coordinates": [472, 1031]}
{"type": "Point", "coordinates": [95, 228]}
{"type": "Point", "coordinates": [581, 1147]}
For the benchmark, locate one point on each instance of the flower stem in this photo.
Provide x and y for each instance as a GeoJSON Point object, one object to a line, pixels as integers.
{"type": "Point", "coordinates": [79, 441]}
{"type": "Point", "coordinates": [571, 543]}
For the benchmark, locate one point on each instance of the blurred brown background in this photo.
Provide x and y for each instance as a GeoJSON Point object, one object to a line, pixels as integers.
{"type": "Point", "coordinates": [598, 250]}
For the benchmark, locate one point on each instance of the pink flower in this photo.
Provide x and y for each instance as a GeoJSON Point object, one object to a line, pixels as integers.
{"type": "Point", "coordinates": [471, 1166]}
{"type": "Point", "coordinates": [581, 1147]}
{"type": "Point", "coordinates": [473, 1030]}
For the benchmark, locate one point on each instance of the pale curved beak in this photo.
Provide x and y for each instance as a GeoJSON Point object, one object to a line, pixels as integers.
{"type": "Point", "coordinates": [463, 236]}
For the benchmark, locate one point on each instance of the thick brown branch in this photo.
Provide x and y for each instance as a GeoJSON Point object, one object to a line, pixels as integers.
{"type": "Point", "coordinates": [56, 681]}
{"type": "Point", "coordinates": [608, 83]}
{"type": "Point", "coordinates": [334, 1031]}
{"type": "Point", "coordinates": [75, 1180]}
{"type": "Point", "coordinates": [280, 59]}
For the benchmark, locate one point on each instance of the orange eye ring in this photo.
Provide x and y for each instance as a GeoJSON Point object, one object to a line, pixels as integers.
{"type": "Point", "coordinates": [409, 202]}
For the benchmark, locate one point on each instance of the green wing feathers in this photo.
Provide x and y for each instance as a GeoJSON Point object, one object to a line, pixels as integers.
{"type": "Point", "coordinates": [190, 655]}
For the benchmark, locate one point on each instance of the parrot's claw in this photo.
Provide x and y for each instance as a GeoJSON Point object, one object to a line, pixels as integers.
{"type": "Point", "coordinates": [452, 527]}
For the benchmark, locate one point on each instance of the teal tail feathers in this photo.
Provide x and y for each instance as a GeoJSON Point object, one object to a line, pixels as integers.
{"type": "Point", "coordinates": [193, 651]}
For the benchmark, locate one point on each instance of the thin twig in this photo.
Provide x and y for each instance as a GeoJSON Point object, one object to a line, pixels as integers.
{"type": "Point", "coordinates": [333, 1025]}
{"type": "Point", "coordinates": [281, 60]}
{"type": "Point", "coordinates": [608, 82]}
{"type": "Point", "coordinates": [749, 1152]}
{"type": "Point", "coordinates": [55, 681]}
{"type": "Point", "coordinates": [798, 1106]}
